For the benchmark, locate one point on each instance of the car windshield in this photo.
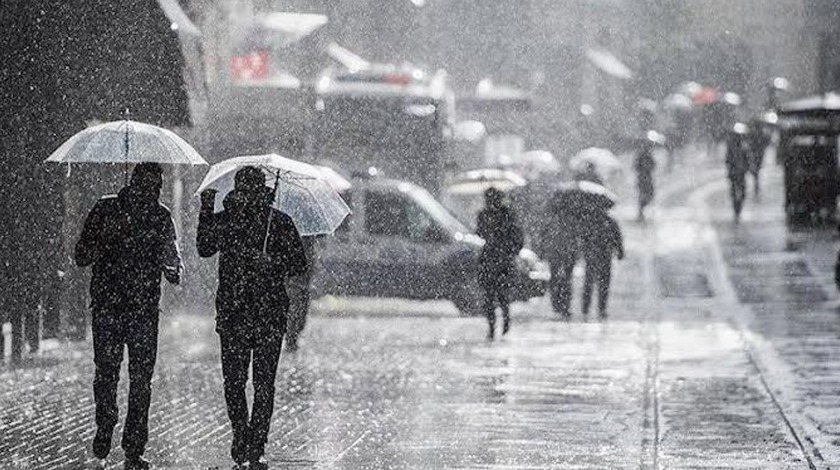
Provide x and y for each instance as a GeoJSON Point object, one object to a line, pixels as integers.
{"type": "Point", "coordinates": [438, 212]}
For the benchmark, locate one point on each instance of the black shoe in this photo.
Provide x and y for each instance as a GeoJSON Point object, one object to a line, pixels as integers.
{"type": "Point", "coordinates": [258, 464]}
{"type": "Point", "coordinates": [102, 443]}
{"type": "Point", "coordinates": [136, 463]}
{"type": "Point", "coordinates": [239, 450]}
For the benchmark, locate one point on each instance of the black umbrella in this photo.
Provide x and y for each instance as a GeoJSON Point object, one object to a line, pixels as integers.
{"type": "Point", "coordinates": [582, 195]}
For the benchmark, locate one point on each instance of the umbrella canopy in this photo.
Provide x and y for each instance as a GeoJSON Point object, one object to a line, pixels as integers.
{"type": "Point", "coordinates": [335, 179]}
{"type": "Point", "coordinates": [126, 142]}
{"type": "Point", "coordinates": [603, 159]}
{"type": "Point", "coordinates": [300, 190]}
{"type": "Point", "coordinates": [477, 181]}
{"type": "Point", "coordinates": [582, 195]}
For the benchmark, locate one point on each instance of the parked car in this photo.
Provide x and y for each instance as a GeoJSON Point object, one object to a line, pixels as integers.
{"type": "Point", "coordinates": [401, 242]}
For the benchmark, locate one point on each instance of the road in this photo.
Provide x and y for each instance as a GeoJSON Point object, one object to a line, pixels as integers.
{"type": "Point", "coordinates": [718, 353]}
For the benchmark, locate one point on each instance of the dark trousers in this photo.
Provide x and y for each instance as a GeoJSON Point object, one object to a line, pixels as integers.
{"type": "Point", "coordinates": [112, 332]}
{"type": "Point", "coordinates": [495, 279]}
{"type": "Point", "coordinates": [598, 271]}
{"type": "Point", "coordinates": [738, 191]}
{"type": "Point", "coordinates": [561, 283]}
{"type": "Point", "coordinates": [249, 434]}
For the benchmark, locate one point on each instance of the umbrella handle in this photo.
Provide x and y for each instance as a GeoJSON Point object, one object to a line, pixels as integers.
{"type": "Point", "coordinates": [271, 212]}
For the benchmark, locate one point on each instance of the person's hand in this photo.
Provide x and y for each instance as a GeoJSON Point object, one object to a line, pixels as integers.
{"type": "Point", "coordinates": [208, 198]}
{"type": "Point", "coordinates": [172, 274]}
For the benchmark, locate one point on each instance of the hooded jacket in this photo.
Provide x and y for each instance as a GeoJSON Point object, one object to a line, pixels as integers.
{"type": "Point", "coordinates": [251, 302]}
{"type": "Point", "coordinates": [130, 240]}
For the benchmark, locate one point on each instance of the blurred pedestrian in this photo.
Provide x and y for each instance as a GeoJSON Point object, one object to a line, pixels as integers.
{"type": "Point", "coordinates": [130, 240]}
{"type": "Point", "coordinates": [737, 165]}
{"type": "Point", "coordinates": [645, 165]}
{"type": "Point", "coordinates": [758, 141]}
{"type": "Point", "coordinates": [299, 289]}
{"type": "Point", "coordinates": [602, 241]}
{"type": "Point", "coordinates": [259, 247]}
{"type": "Point", "coordinates": [561, 248]}
{"type": "Point", "coordinates": [503, 238]}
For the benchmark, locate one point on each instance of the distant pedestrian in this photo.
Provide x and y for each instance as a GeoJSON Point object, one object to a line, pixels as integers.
{"type": "Point", "coordinates": [503, 238]}
{"type": "Point", "coordinates": [299, 289]}
{"type": "Point", "coordinates": [259, 247]}
{"type": "Point", "coordinates": [130, 241]}
{"type": "Point", "coordinates": [737, 165]}
{"type": "Point", "coordinates": [645, 165]}
{"type": "Point", "coordinates": [561, 248]}
{"type": "Point", "coordinates": [602, 241]}
{"type": "Point", "coordinates": [758, 141]}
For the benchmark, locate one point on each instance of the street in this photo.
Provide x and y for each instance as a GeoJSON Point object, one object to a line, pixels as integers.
{"type": "Point", "coordinates": [718, 352]}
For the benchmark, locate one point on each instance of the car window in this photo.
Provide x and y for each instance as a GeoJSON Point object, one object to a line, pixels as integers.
{"type": "Point", "coordinates": [395, 215]}
{"type": "Point", "coordinates": [386, 214]}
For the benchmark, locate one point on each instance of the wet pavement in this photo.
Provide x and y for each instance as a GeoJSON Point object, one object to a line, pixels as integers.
{"type": "Point", "coordinates": [719, 352]}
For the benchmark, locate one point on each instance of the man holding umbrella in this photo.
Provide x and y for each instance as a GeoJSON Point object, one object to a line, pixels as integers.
{"type": "Point", "coordinates": [130, 241]}
{"type": "Point", "coordinates": [259, 247]}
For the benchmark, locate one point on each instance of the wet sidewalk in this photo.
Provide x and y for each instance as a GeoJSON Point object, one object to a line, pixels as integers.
{"type": "Point", "coordinates": [692, 369]}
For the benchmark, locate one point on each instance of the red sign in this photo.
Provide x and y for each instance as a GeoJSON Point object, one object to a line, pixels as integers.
{"type": "Point", "coordinates": [251, 66]}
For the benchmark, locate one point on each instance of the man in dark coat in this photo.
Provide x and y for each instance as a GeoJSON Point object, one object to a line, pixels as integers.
{"type": "Point", "coordinates": [503, 238]}
{"type": "Point", "coordinates": [130, 241]}
{"type": "Point", "coordinates": [758, 141]}
{"type": "Point", "coordinates": [602, 240]}
{"type": "Point", "coordinates": [737, 165]}
{"type": "Point", "coordinates": [645, 164]}
{"type": "Point", "coordinates": [259, 247]}
{"type": "Point", "coordinates": [561, 248]}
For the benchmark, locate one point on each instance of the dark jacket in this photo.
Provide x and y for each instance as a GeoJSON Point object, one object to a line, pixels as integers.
{"type": "Point", "coordinates": [602, 239]}
{"type": "Point", "coordinates": [130, 241]}
{"type": "Point", "coordinates": [503, 238]}
{"type": "Point", "coordinates": [251, 302]}
{"type": "Point", "coordinates": [561, 237]}
{"type": "Point", "coordinates": [737, 156]}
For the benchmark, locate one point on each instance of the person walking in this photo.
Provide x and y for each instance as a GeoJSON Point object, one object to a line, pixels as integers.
{"type": "Point", "coordinates": [645, 164]}
{"type": "Point", "coordinates": [258, 247]}
{"type": "Point", "coordinates": [503, 238]}
{"type": "Point", "coordinates": [603, 240]}
{"type": "Point", "coordinates": [737, 165]}
{"type": "Point", "coordinates": [561, 248]}
{"type": "Point", "coordinates": [758, 141]}
{"type": "Point", "coordinates": [130, 241]}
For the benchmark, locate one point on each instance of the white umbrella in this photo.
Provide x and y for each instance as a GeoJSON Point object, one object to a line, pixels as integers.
{"type": "Point", "coordinates": [603, 159]}
{"type": "Point", "coordinates": [300, 190]}
{"type": "Point", "coordinates": [126, 142]}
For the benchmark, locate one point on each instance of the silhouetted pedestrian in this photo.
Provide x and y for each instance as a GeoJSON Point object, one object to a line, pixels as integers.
{"type": "Point", "coordinates": [758, 140]}
{"type": "Point", "coordinates": [645, 164]}
{"type": "Point", "coordinates": [561, 248]}
{"type": "Point", "coordinates": [602, 241]}
{"type": "Point", "coordinates": [130, 241]}
{"type": "Point", "coordinates": [259, 247]}
{"type": "Point", "coordinates": [737, 165]}
{"type": "Point", "coordinates": [503, 238]}
{"type": "Point", "coordinates": [299, 289]}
